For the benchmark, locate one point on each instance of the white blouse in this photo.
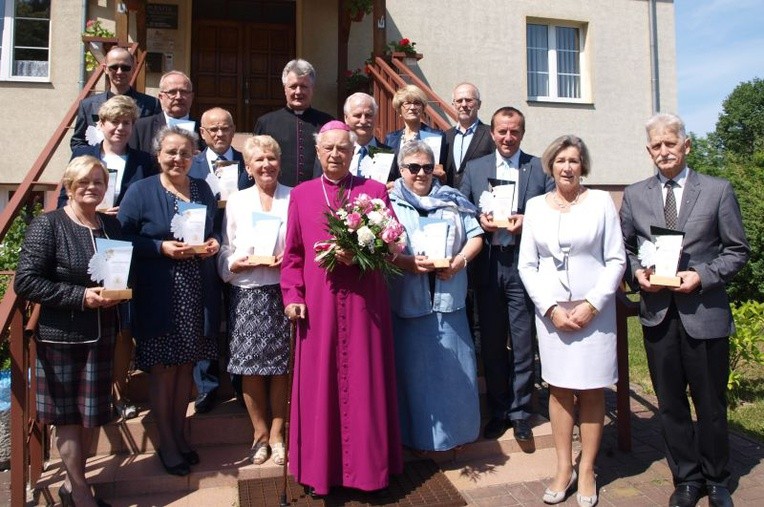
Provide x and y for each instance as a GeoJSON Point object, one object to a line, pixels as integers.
{"type": "Point", "coordinates": [238, 218]}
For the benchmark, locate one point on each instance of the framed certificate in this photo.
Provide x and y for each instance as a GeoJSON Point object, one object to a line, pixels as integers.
{"type": "Point", "coordinates": [668, 251]}
{"type": "Point", "coordinates": [263, 238]}
{"type": "Point", "coordinates": [431, 240]}
{"type": "Point", "coordinates": [189, 223]}
{"type": "Point", "coordinates": [503, 206]}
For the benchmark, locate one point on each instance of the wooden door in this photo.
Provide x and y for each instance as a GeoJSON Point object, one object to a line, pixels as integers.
{"type": "Point", "coordinates": [237, 66]}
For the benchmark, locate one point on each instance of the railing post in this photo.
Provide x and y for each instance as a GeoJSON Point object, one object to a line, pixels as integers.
{"type": "Point", "coordinates": [624, 308]}
{"type": "Point", "coordinates": [19, 416]}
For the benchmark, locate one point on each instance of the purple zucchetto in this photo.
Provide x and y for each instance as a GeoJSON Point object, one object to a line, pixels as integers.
{"type": "Point", "coordinates": [334, 125]}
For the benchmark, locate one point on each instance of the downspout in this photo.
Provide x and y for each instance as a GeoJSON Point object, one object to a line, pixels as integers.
{"type": "Point", "coordinates": [654, 82]}
{"type": "Point", "coordinates": [84, 20]}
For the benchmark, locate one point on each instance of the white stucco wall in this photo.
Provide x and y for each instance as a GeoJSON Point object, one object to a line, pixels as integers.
{"type": "Point", "coordinates": [485, 44]}
{"type": "Point", "coordinates": [32, 111]}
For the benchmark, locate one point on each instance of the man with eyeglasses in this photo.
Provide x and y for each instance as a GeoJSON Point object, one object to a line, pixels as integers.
{"type": "Point", "coordinates": [293, 126]}
{"type": "Point", "coordinates": [119, 67]}
{"type": "Point", "coordinates": [176, 94]}
{"type": "Point", "coordinates": [470, 138]}
{"type": "Point", "coordinates": [217, 131]}
{"type": "Point", "coordinates": [505, 311]}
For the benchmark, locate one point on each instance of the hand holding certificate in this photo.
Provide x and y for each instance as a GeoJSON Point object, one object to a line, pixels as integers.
{"type": "Point", "coordinates": [110, 265]}
{"type": "Point", "coordinates": [431, 240]}
{"type": "Point", "coordinates": [188, 225]}
{"type": "Point", "coordinates": [500, 202]}
{"type": "Point", "coordinates": [263, 237]}
{"type": "Point", "coordinates": [663, 255]}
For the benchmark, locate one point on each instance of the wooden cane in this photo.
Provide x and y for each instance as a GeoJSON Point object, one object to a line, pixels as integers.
{"type": "Point", "coordinates": [283, 501]}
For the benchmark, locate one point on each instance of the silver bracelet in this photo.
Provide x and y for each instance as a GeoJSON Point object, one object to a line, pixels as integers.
{"type": "Point", "coordinates": [461, 254]}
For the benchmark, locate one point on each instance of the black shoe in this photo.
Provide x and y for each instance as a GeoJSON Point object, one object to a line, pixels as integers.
{"type": "Point", "coordinates": [65, 497]}
{"type": "Point", "coordinates": [719, 496]}
{"type": "Point", "coordinates": [685, 495]}
{"type": "Point", "coordinates": [522, 430]}
{"type": "Point", "coordinates": [205, 401]}
{"type": "Point", "coordinates": [181, 469]}
{"type": "Point", "coordinates": [191, 457]}
{"type": "Point", "coordinates": [496, 427]}
{"type": "Point", "coordinates": [311, 492]}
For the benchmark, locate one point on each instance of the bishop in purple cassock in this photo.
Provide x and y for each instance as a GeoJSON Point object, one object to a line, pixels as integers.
{"type": "Point", "coordinates": [344, 428]}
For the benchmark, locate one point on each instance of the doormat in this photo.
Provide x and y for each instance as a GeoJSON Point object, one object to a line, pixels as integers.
{"type": "Point", "coordinates": [421, 484]}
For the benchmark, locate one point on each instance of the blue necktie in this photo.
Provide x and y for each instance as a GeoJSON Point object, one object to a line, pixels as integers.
{"type": "Point", "coordinates": [362, 153]}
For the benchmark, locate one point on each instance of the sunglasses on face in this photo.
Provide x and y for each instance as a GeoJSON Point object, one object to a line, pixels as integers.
{"type": "Point", "coordinates": [415, 168]}
{"type": "Point", "coordinates": [123, 68]}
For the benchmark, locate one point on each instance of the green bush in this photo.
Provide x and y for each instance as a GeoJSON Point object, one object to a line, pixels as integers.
{"type": "Point", "coordinates": [745, 345]}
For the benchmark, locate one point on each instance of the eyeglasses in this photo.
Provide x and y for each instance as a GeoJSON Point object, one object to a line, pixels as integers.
{"type": "Point", "coordinates": [218, 130]}
{"type": "Point", "coordinates": [412, 105]}
{"type": "Point", "coordinates": [182, 154]}
{"type": "Point", "coordinates": [180, 92]}
{"type": "Point", "coordinates": [123, 68]}
{"type": "Point", "coordinates": [415, 168]}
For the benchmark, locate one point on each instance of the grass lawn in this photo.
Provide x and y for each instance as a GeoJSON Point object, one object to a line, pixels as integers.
{"type": "Point", "coordinates": [747, 416]}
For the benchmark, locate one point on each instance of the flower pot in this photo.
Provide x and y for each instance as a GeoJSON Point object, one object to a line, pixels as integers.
{"type": "Point", "coordinates": [408, 58]}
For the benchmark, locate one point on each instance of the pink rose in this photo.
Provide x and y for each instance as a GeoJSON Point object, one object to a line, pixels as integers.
{"type": "Point", "coordinates": [353, 220]}
{"type": "Point", "coordinates": [392, 232]}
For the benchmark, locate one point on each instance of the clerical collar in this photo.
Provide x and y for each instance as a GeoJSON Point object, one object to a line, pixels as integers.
{"type": "Point", "coordinates": [334, 181]}
{"type": "Point", "coordinates": [298, 113]}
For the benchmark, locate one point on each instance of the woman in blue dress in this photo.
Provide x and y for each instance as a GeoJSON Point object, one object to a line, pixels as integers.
{"type": "Point", "coordinates": [434, 352]}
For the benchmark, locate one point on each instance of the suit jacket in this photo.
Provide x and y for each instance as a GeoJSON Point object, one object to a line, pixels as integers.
{"type": "Point", "coordinates": [481, 145]}
{"type": "Point", "coordinates": [533, 181]}
{"type": "Point", "coordinates": [715, 247]}
{"type": "Point", "coordinates": [200, 168]}
{"type": "Point", "coordinates": [139, 165]}
{"type": "Point", "coordinates": [87, 113]}
{"type": "Point", "coordinates": [393, 140]}
{"type": "Point", "coordinates": [146, 128]}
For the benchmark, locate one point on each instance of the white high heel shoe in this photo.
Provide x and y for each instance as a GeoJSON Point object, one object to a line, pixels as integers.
{"type": "Point", "coordinates": [553, 497]}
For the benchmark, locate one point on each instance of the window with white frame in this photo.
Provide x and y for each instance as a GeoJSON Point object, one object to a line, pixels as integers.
{"type": "Point", "coordinates": [25, 40]}
{"type": "Point", "coordinates": [554, 62]}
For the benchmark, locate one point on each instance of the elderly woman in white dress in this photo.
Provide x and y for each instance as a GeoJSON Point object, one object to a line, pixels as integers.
{"type": "Point", "coordinates": [258, 328]}
{"type": "Point", "coordinates": [571, 262]}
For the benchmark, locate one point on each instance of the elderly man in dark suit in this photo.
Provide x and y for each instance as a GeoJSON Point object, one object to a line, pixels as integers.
{"type": "Point", "coordinates": [293, 126]}
{"type": "Point", "coordinates": [119, 66]}
{"type": "Point", "coordinates": [361, 116]}
{"type": "Point", "coordinates": [686, 328]}
{"type": "Point", "coordinates": [470, 138]}
{"type": "Point", "coordinates": [504, 308]}
{"type": "Point", "coordinates": [217, 129]}
{"type": "Point", "coordinates": [176, 94]}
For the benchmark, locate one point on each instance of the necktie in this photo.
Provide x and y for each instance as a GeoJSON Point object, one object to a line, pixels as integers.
{"type": "Point", "coordinates": [361, 154]}
{"type": "Point", "coordinates": [221, 158]}
{"type": "Point", "coordinates": [669, 209]}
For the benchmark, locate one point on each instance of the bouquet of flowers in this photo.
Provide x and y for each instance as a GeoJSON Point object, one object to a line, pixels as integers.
{"type": "Point", "coordinates": [366, 229]}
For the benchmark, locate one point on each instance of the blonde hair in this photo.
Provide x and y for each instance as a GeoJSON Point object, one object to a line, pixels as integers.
{"type": "Point", "coordinates": [262, 143]}
{"type": "Point", "coordinates": [561, 143]}
{"type": "Point", "coordinates": [119, 106]}
{"type": "Point", "coordinates": [409, 93]}
{"type": "Point", "coordinates": [78, 168]}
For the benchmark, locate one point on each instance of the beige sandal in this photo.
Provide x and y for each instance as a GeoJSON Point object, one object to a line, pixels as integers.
{"type": "Point", "coordinates": [258, 454]}
{"type": "Point", "coordinates": [279, 453]}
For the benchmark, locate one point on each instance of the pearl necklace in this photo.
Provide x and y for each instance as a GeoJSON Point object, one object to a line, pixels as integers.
{"type": "Point", "coordinates": [565, 205]}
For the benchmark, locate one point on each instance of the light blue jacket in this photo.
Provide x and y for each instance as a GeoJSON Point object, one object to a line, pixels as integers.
{"type": "Point", "coordinates": [410, 293]}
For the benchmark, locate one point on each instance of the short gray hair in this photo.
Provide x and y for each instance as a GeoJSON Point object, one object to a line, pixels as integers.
{"type": "Point", "coordinates": [415, 147]}
{"type": "Point", "coordinates": [352, 135]}
{"type": "Point", "coordinates": [668, 121]}
{"type": "Point", "coordinates": [162, 134]}
{"type": "Point", "coordinates": [360, 97]}
{"type": "Point", "coordinates": [300, 68]}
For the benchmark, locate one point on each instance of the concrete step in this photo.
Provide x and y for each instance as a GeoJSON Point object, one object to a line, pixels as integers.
{"type": "Point", "coordinates": [224, 460]}
{"type": "Point", "coordinates": [226, 423]}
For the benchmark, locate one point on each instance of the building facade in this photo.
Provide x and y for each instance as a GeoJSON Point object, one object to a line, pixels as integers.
{"type": "Point", "coordinates": [572, 66]}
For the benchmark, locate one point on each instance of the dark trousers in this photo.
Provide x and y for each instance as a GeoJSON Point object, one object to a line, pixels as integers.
{"type": "Point", "coordinates": [506, 333]}
{"type": "Point", "coordinates": [696, 453]}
